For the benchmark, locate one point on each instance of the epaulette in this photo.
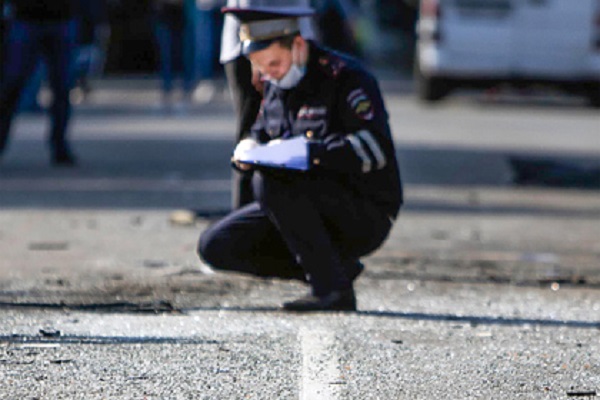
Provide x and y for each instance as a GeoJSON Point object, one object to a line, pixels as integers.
{"type": "Point", "coordinates": [332, 65]}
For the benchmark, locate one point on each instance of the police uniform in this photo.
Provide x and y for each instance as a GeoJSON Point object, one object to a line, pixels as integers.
{"type": "Point", "coordinates": [315, 225]}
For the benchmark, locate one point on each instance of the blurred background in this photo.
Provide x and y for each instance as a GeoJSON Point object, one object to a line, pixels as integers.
{"type": "Point", "coordinates": [519, 76]}
{"type": "Point", "coordinates": [128, 38]}
{"type": "Point", "coordinates": [383, 31]}
{"type": "Point", "coordinates": [443, 46]}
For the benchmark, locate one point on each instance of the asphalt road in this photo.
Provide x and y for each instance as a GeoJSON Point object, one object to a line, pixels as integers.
{"type": "Point", "coordinates": [486, 289]}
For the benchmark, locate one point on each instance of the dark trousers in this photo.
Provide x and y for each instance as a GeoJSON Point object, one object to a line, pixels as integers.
{"type": "Point", "coordinates": [26, 42]}
{"type": "Point", "coordinates": [174, 44]}
{"type": "Point", "coordinates": [246, 102]}
{"type": "Point", "coordinates": [300, 227]}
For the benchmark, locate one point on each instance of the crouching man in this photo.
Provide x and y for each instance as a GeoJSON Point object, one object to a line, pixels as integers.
{"type": "Point", "coordinates": [313, 225]}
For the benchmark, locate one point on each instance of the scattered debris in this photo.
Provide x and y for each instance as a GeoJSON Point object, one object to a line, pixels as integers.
{"type": "Point", "coordinates": [155, 264]}
{"type": "Point", "coordinates": [48, 246]}
{"type": "Point", "coordinates": [581, 393]}
{"type": "Point", "coordinates": [136, 378]}
{"type": "Point", "coordinates": [439, 235]}
{"type": "Point", "coordinates": [60, 362]}
{"type": "Point", "coordinates": [183, 217]}
{"type": "Point", "coordinates": [222, 371]}
{"type": "Point", "coordinates": [57, 282]}
{"type": "Point", "coordinates": [50, 333]}
{"type": "Point", "coordinates": [13, 362]}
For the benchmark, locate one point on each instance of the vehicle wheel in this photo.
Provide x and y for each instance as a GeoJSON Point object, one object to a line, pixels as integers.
{"type": "Point", "coordinates": [431, 89]}
{"type": "Point", "coordinates": [594, 95]}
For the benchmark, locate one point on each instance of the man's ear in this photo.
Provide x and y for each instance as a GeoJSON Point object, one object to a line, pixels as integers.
{"type": "Point", "coordinates": [300, 42]}
{"type": "Point", "coordinates": [302, 46]}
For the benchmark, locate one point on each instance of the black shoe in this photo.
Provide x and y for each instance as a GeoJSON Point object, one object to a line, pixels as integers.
{"type": "Point", "coordinates": [334, 301]}
{"type": "Point", "coordinates": [64, 159]}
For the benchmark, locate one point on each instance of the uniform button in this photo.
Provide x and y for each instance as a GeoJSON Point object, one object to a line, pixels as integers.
{"type": "Point", "coordinates": [309, 134]}
{"type": "Point", "coordinates": [317, 161]}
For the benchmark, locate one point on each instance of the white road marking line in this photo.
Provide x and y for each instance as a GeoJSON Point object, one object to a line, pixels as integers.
{"type": "Point", "coordinates": [319, 367]}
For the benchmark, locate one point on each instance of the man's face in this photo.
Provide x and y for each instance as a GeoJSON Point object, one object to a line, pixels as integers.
{"type": "Point", "coordinates": [273, 62]}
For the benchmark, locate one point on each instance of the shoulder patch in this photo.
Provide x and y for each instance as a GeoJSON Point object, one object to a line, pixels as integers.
{"type": "Point", "coordinates": [359, 101]}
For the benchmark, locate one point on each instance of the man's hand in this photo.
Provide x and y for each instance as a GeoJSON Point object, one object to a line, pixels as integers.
{"type": "Point", "coordinates": [242, 166]}
{"type": "Point", "coordinates": [240, 150]}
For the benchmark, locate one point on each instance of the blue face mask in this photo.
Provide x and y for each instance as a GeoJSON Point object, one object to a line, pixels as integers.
{"type": "Point", "coordinates": [291, 78]}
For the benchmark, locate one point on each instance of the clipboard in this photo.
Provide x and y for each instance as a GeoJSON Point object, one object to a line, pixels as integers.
{"type": "Point", "coordinates": [291, 154]}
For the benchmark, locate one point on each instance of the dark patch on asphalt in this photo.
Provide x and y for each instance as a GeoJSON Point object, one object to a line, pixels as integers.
{"type": "Point", "coordinates": [581, 393]}
{"type": "Point", "coordinates": [185, 291]}
{"type": "Point", "coordinates": [108, 340]}
{"type": "Point", "coordinates": [472, 268]}
{"type": "Point", "coordinates": [157, 307]}
{"type": "Point", "coordinates": [568, 280]}
{"type": "Point", "coordinates": [49, 332]}
{"type": "Point", "coordinates": [48, 246]}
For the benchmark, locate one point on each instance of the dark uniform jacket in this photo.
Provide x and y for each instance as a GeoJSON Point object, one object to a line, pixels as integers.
{"type": "Point", "coordinates": [45, 10]}
{"type": "Point", "coordinates": [338, 105]}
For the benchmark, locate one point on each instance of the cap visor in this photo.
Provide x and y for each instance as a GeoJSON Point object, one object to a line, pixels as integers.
{"type": "Point", "coordinates": [251, 47]}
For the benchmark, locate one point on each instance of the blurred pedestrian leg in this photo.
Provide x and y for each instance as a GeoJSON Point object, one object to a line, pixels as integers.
{"type": "Point", "coordinates": [29, 101]}
{"type": "Point", "coordinates": [201, 49]}
{"type": "Point", "coordinates": [37, 32]}
{"type": "Point", "coordinates": [60, 76]}
{"type": "Point", "coordinates": [172, 30]}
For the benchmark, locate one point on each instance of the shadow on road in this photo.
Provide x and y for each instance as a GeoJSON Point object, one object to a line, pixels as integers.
{"type": "Point", "coordinates": [482, 320]}
{"type": "Point", "coordinates": [473, 320]}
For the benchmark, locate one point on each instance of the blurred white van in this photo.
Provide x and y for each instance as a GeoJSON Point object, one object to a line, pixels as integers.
{"type": "Point", "coordinates": [482, 43]}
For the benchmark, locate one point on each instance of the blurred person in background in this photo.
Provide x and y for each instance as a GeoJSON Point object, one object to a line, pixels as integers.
{"type": "Point", "coordinates": [185, 36]}
{"type": "Point", "coordinates": [47, 29]}
{"type": "Point", "coordinates": [93, 32]}
{"type": "Point", "coordinates": [175, 47]}
{"type": "Point", "coordinates": [334, 23]}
